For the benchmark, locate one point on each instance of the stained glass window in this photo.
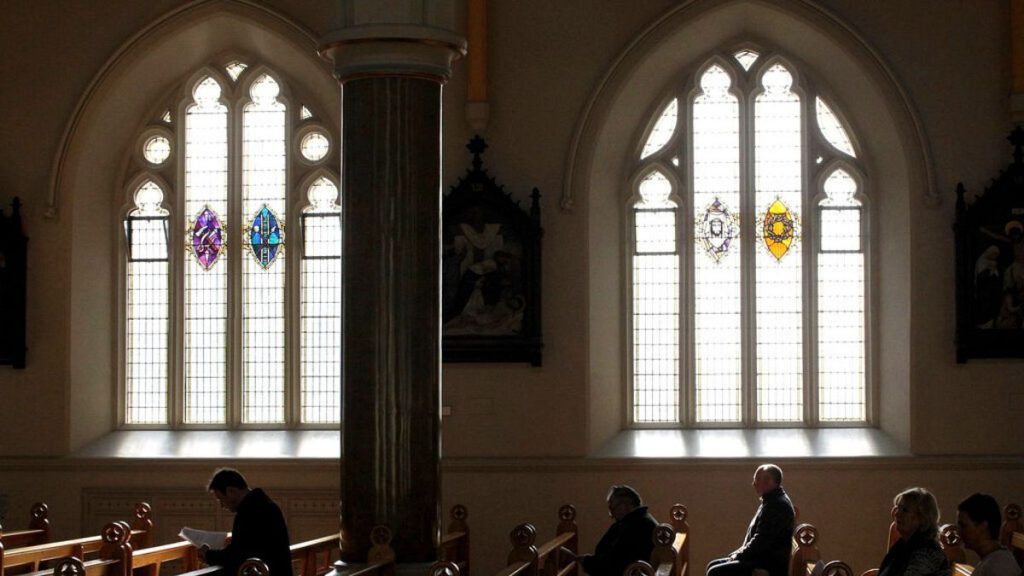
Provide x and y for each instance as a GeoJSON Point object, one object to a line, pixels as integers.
{"type": "Point", "coordinates": [148, 318]}
{"type": "Point", "coordinates": [755, 194]}
{"type": "Point", "coordinates": [237, 303]}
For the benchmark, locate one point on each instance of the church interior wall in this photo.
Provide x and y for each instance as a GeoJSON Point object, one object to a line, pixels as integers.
{"type": "Point", "coordinates": [517, 441]}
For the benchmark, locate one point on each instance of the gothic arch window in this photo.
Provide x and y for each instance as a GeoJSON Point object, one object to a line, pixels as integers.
{"type": "Point", "coordinates": [748, 235]}
{"type": "Point", "coordinates": [232, 283]}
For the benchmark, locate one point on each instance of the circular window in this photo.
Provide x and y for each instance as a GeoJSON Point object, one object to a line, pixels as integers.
{"type": "Point", "coordinates": [156, 150]}
{"type": "Point", "coordinates": [314, 146]}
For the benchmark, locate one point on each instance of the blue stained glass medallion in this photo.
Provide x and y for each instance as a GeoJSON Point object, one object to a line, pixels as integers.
{"type": "Point", "coordinates": [206, 238]}
{"type": "Point", "coordinates": [265, 237]}
{"type": "Point", "coordinates": [717, 229]}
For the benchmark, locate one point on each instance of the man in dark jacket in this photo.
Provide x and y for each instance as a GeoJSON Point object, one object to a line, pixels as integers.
{"type": "Point", "coordinates": [767, 543]}
{"type": "Point", "coordinates": [259, 530]}
{"type": "Point", "coordinates": [630, 537]}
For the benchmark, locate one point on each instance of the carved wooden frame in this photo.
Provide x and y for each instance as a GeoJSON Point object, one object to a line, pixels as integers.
{"type": "Point", "coordinates": [496, 268]}
{"type": "Point", "coordinates": [989, 253]}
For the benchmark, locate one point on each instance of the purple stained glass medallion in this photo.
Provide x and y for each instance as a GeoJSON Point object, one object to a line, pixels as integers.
{"type": "Point", "coordinates": [265, 237]}
{"type": "Point", "coordinates": [207, 238]}
{"type": "Point", "coordinates": [716, 230]}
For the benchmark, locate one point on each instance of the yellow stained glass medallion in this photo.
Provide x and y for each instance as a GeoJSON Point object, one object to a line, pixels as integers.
{"type": "Point", "coordinates": [779, 229]}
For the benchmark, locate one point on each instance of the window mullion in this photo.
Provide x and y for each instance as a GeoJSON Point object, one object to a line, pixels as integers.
{"type": "Point", "coordinates": [235, 232]}
{"type": "Point", "coordinates": [810, 265]}
{"type": "Point", "coordinates": [748, 276]}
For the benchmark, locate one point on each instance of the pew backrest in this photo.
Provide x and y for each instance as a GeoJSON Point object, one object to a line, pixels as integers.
{"type": "Point", "coordinates": [1011, 533]}
{"type": "Point", "coordinates": [316, 557]}
{"type": "Point", "coordinates": [38, 531]}
{"type": "Point", "coordinates": [952, 544]}
{"type": "Point", "coordinates": [30, 558]}
{"type": "Point", "coordinates": [455, 543]}
{"type": "Point", "coordinates": [805, 549]}
{"type": "Point", "coordinates": [678, 514]}
{"type": "Point", "coordinates": [147, 561]}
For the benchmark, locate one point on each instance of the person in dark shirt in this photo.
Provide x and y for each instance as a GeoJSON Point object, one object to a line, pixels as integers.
{"type": "Point", "coordinates": [767, 543]}
{"type": "Point", "coordinates": [259, 530]}
{"type": "Point", "coordinates": [628, 539]}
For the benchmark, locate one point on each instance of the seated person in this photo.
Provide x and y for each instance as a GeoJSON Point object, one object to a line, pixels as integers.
{"type": "Point", "coordinates": [917, 552]}
{"type": "Point", "coordinates": [978, 520]}
{"type": "Point", "coordinates": [628, 539]}
{"type": "Point", "coordinates": [259, 530]}
{"type": "Point", "coordinates": [767, 543]}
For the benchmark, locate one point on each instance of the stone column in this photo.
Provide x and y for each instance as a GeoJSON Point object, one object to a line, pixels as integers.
{"type": "Point", "coordinates": [391, 77]}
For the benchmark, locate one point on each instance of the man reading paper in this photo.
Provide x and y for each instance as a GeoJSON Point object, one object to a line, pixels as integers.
{"type": "Point", "coordinates": [259, 530]}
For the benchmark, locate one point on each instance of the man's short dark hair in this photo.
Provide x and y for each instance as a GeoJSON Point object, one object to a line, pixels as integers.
{"type": "Point", "coordinates": [774, 471]}
{"type": "Point", "coordinates": [624, 492]}
{"type": "Point", "coordinates": [224, 478]}
{"type": "Point", "coordinates": [982, 508]}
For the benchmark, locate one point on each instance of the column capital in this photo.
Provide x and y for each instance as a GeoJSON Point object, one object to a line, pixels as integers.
{"type": "Point", "coordinates": [370, 50]}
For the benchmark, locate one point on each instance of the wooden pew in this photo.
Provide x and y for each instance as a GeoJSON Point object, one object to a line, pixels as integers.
{"type": "Point", "coordinates": [454, 546]}
{"type": "Point", "coordinates": [556, 557]}
{"type": "Point", "coordinates": [667, 558]}
{"type": "Point", "coordinates": [1011, 533]}
{"type": "Point", "coordinates": [681, 545]}
{"type": "Point", "coordinates": [316, 557]}
{"type": "Point", "coordinates": [952, 544]}
{"type": "Point", "coordinates": [38, 531]}
{"type": "Point", "coordinates": [115, 556]}
{"type": "Point", "coordinates": [805, 554]}
{"type": "Point", "coordinates": [832, 568]}
{"type": "Point", "coordinates": [32, 558]}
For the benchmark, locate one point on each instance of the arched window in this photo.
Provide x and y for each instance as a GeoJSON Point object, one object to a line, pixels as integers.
{"type": "Point", "coordinates": [233, 248]}
{"type": "Point", "coordinates": [748, 237]}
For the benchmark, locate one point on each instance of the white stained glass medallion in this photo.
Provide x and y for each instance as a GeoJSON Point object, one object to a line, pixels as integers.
{"type": "Point", "coordinates": [717, 229]}
{"type": "Point", "coordinates": [156, 150]}
{"type": "Point", "coordinates": [746, 58]}
{"type": "Point", "coordinates": [832, 129]}
{"type": "Point", "coordinates": [314, 146]}
{"type": "Point", "coordinates": [663, 129]}
{"type": "Point", "coordinates": [235, 69]}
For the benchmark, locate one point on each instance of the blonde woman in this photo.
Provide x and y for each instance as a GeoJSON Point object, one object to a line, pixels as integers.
{"type": "Point", "coordinates": [917, 552]}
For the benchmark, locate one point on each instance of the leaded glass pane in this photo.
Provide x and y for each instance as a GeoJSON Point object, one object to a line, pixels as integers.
{"type": "Point", "coordinates": [717, 318]}
{"type": "Point", "coordinates": [264, 189]}
{"type": "Point", "coordinates": [841, 297]}
{"type": "Point", "coordinates": [746, 58]}
{"type": "Point", "coordinates": [778, 157]}
{"type": "Point", "coordinates": [655, 304]}
{"type": "Point", "coordinates": [663, 129]}
{"type": "Point", "coordinates": [206, 311]}
{"type": "Point", "coordinates": [235, 69]}
{"type": "Point", "coordinates": [148, 322]}
{"type": "Point", "coordinates": [156, 150]}
{"type": "Point", "coordinates": [305, 114]}
{"type": "Point", "coordinates": [321, 306]}
{"type": "Point", "coordinates": [314, 146]}
{"type": "Point", "coordinates": [655, 338]}
{"type": "Point", "coordinates": [832, 129]}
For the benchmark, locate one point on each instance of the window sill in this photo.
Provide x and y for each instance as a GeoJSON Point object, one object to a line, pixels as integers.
{"type": "Point", "coordinates": [752, 443]}
{"type": "Point", "coordinates": [216, 444]}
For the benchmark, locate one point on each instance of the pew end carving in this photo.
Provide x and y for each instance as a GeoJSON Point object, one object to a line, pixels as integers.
{"type": "Point", "coordinates": [253, 567]}
{"type": "Point", "coordinates": [444, 568]}
{"type": "Point", "coordinates": [952, 544]}
{"type": "Point", "coordinates": [805, 549]}
{"type": "Point", "coordinates": [455, 543]}
{"type": "Point", "coordinates": [639, 568]}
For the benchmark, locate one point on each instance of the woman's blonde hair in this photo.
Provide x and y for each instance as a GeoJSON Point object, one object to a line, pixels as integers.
{"type": "Point", "coordinates": [922, 503]}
